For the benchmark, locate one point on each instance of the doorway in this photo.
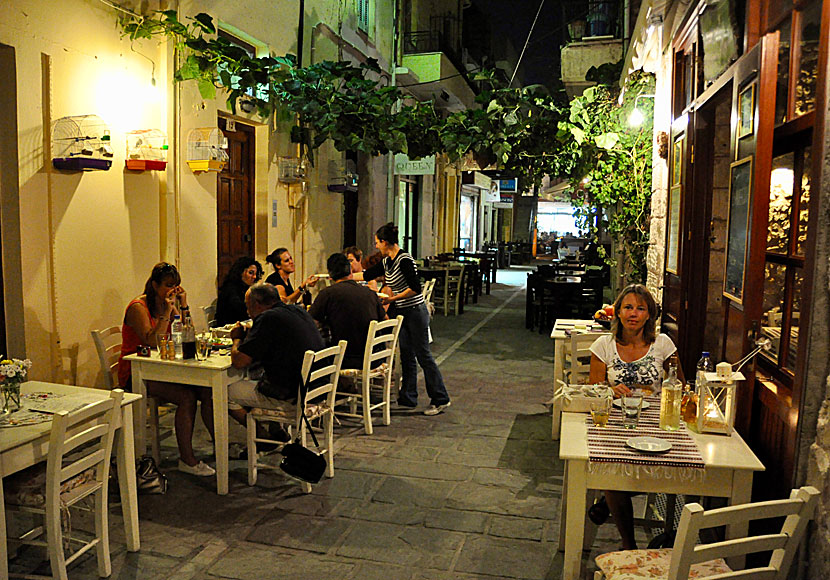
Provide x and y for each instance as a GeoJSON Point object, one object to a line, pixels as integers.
{"type": "Point", "coordinates": [408, 215]}
{"type": "Point", "coordinates": [235, 198]}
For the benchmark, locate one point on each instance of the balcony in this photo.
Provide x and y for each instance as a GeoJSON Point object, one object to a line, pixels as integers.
{"type": "Point", "coordinates": [595, 29]}
{"type": "Point", "coordinates": [434, 69]}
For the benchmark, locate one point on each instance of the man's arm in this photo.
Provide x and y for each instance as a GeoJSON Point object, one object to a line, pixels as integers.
{"type": "Point", "coordinates": [239, 359]}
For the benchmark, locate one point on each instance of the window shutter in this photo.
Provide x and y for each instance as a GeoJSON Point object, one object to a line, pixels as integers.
{"type": "Point", "coordinates": [363, 15]}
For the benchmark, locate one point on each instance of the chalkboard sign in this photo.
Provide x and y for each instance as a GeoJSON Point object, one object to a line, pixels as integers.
{"type": "Point", "coordinates": [740, 194]}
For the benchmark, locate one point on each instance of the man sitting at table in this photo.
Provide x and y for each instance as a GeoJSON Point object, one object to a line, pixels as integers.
{"type": "Point", "coordinates": [272, 350]}
{"type": "Point", "coordinates": [347, 308]}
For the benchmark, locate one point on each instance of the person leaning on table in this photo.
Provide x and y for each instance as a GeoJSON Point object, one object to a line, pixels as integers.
{"type": "Point", "coordinates": [283, 265]}
{"type": "Point", "coordinates": [631, 355]}
{"type": "Point", "coordinates": [148, 316]}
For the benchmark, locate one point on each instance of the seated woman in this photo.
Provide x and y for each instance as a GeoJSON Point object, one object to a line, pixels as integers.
{"type": "Point", "coordinates": [355, 256]}
{"type": "Point", "coordinates": [631, 355]}
{"type": "Point", "coordinates": [230, 306]}
{"type": "Point", "coordinates": [283, 267]}
{"type": "Point", "coordinates": [148, 316]}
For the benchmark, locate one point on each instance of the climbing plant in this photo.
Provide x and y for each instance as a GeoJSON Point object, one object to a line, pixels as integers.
{"type": "Point", "coordinates": [611, 168]}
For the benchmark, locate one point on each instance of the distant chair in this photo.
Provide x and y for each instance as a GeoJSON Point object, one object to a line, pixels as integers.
{"type": "Point", "coordinates": [427, 289]}
{"type": "Point", "coordinates": [688, 559]}
{"type": "Point", "coordinates": [210, 313]}
{"type": "Point", "coordinates": [578, 356]}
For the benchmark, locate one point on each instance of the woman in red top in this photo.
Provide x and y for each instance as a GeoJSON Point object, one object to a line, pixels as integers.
{"type": "Point", "coordinates": [148, 316]}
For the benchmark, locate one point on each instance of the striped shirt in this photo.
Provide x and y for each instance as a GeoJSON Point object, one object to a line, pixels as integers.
{"type": "Point", "coordinates": [399, 274]}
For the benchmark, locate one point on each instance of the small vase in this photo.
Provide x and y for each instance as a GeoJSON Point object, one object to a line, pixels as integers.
{"type": "Point", "coordinates": [9, 397]}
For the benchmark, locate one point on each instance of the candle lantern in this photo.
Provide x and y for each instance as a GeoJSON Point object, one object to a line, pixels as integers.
{"type": "Point", "coordinates": [716, 402]}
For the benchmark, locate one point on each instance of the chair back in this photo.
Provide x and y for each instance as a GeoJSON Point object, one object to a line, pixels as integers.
{"type": "Point", "coordinates": [210, 314]}
{"type": "Point", "coordinates": [87, 435]}
{"type": "Point", "coordinates": [798, 510]}
{"type": "Point", "coordinates": [108, 344]}
{"type": "Point", "coordinates": [580, 355]}
{"type": "Point", "coordinates": [381, 341]}
{"type": "Point", "coordinates": [429, 285]}
{"type": "Point", "coordinates": [327, 372]}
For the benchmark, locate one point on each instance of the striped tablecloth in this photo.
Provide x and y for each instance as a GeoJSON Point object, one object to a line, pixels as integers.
{"type": "Point", "coordinates": [607, 444]}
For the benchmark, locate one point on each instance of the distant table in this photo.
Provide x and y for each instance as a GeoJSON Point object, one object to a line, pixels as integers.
{"type": "Point", "coordinates": [729, 467]}
{"type": "Point", "coordinates": [24, 446]}
{"type": "Point", "coordinates": [216, 373]}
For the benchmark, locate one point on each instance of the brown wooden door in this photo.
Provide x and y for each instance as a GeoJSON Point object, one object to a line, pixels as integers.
{"type": "Point", "coordinates": [235, 199]}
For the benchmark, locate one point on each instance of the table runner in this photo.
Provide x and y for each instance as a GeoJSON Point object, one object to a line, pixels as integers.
{"type": "Point", "coordinates": [607, 451]}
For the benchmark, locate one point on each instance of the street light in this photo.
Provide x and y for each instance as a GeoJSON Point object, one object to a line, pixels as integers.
{"type": "Point", "coordinates": [636, 118]}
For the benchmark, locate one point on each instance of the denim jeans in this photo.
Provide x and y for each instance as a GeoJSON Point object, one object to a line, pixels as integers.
{"type": "Point", "coordinates": [414, 342]}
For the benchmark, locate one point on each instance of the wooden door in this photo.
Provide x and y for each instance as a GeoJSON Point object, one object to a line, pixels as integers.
{"type": "Point", "coordinates": [235, 199]}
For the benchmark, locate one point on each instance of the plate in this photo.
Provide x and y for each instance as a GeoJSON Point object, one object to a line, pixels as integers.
{"type": "Point", "coordinates": [646, 404]}
{"type": "Point", "coordinates": [649, 444]}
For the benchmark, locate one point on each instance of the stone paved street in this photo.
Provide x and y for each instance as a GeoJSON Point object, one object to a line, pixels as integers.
{"type": "Point", "coordinates": [471, 493]}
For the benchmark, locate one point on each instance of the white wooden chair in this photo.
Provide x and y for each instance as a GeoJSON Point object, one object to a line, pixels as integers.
{"type": "Point", "coordinates": [687, 558]}
{"type": "Point", "coordinates": [381, 340]}
{"type": "Point", "coordinates": [210, 314]}
{"type": "Point", "coordinates": [77, 467]}
{"type": "Point", "coordinates": [291, 415]}
{"type": "Point", "coordinates": [108, 345]}
{"type": "Point", "coordinates": [578, 356]}
{"type": "Point", "coordinates": [427, 289]}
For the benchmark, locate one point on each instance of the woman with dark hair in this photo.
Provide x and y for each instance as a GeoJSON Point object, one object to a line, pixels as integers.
{"type": "Point", "coordinates": [283, 267]}
{"type": "Point", "coordinates": [400, 274]}
{"type": "Point", "coordinates": [230, 306]}
{"type": "Point", "coordinates": [148, 316]}
{"type": "Point", "coordinates": [632, 355]}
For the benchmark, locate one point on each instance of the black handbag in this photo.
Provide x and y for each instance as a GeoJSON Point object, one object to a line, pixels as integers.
{"type": "Point", "coordinates": [149, 480]}
{"type": "Point", "coordinates": [300, 462]}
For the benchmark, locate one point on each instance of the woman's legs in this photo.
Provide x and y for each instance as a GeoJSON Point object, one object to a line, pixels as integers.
{"type": "Point", "coordinates": [418, 323]}
{"type": "Point", "coordinates": [205, 397]}
{"type": "Point", "coordinates": [619, 502]}
{"type": "Point", "coordinates": [409, 368]}
{"type": "Point", "coordinates": [184, 398]}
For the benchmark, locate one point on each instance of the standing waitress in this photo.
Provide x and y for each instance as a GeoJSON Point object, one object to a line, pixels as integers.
{"type": "Point", "coordinates": [400, 274]}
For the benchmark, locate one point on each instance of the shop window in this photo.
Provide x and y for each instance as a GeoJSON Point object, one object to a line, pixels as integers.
{"type": "Point", "coordinates": [784, 268]}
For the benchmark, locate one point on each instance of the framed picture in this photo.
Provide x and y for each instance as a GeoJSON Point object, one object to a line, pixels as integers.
{"type": "Point", "coordinates": [677, 161]}
{"type": "Point", "coordinates": [737, 241]}
{"type": "Point", "coordinates": [746, 111]}
{"type": "Point", "coordinates": [673, 229]}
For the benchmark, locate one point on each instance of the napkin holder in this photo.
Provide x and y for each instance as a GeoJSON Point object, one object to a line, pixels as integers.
{"type": "Point", "coordinates": [716, 403]}
{"type": "Point", "coordinates": [578, 398]}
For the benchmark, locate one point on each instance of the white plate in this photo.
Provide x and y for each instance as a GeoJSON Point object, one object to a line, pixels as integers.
{"type": "Point", "coordinates": [648, 444]}
{"type": "Point", "coordinates": [646, 404]}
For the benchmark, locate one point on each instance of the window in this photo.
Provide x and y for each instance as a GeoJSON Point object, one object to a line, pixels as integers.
{"type": "Point", "coordinates": [789, 198]}
{"type": "Point", "coordinates": [798, 45]}
{"type": "Point", "coordinates": [363, 15]}
{"type": "Point", "coordinates": [262, 90]}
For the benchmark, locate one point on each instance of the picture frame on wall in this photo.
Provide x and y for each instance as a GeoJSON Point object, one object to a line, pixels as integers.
{"type": "Point", "coordinates": [737, 241]}
{"type": "Point", "coordinates": [746, 111]}
{"type": "Point", "coordinates": [677, 161]}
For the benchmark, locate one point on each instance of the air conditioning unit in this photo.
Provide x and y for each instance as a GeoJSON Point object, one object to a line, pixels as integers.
{"type": "Point", "coordinates": [293, 170]}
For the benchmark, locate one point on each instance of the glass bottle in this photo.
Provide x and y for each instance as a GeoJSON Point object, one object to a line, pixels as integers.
{"type": "Point", "coordinates": [670, 398]}
{"type": "Point", "coordinates": [176, 329]}
{"type": "Point", "coordinates": [704, 365]}
{"type": "Point", "coordinates": [688, 408]}
{"type": "Point", "coordinates": [188, 337]}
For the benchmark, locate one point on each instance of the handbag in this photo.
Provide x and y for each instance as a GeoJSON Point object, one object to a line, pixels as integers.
{"type": "Point", "coordinates": [149, 480]}
{"type": "Point", "coordinates": [300, 462]}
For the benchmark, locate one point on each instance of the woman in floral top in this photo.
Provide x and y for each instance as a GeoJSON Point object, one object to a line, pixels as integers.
{"type": "Point", "coordinates": [630, 356]}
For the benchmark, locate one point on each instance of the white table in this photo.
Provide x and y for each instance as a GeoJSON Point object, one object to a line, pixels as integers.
{"type": "Point", "coordinates": [559, 341]}
{"type": "Point", "coordinates": [24, 446]}
{"type": "Point", "coordinates": [215, 373]}
{"type": "Point", "coordinates": [729, 466]}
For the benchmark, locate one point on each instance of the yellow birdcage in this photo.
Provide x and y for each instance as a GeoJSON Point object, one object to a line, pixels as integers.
{"type": "Point", "coordinates": [207, 149]}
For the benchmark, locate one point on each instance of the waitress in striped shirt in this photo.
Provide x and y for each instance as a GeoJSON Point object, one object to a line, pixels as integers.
{"type": "Point", "coordinates": [400, 274]}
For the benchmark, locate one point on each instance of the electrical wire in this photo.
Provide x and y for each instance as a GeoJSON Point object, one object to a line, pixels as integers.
{"type": "Point", "coordinates": [532, 26]}
{"type": "Point", "coordinates": [120, 8]}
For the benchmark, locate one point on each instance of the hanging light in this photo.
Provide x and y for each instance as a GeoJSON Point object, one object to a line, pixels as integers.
{"type": "Point", "coordinates": [636, 118]}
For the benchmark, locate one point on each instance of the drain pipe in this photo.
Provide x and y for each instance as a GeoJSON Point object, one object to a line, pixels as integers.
{"type": "Point", "coordinates": [390, 164]}
{"type": "Point", "coordinates": [626, 27]}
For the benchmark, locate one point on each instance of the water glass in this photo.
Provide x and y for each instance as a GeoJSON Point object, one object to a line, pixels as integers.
{"type": "Point", "coordinates": [600, 411]}
{"type": "Point", "coordinates": [631, 406]}
{"type": "Point", "coordinates": [203, 346]}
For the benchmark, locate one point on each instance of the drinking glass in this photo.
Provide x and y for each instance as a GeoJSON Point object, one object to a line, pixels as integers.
{"type": "Point", "coordinates": [631, 406]}
{"type": "Point", "coordinates": [202, 346]}
{"type": "Point", "coordinates": [600, 411]}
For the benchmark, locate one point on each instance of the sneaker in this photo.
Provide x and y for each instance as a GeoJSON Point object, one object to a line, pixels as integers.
{"type": "Point", "coordinates": [436, 409]}
{"type": "Point", "coordinates": [201, 469]}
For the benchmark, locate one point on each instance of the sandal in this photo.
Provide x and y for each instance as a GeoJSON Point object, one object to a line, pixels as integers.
{"type": "Point", "coordinates": [599, 512]}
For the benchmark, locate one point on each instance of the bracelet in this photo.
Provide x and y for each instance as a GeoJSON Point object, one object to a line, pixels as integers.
{"type": "Point", "coordinates": [184, 307]}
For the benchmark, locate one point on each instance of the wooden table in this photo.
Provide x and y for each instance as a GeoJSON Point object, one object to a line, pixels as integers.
{"type": "Point", "coordinates": [24, 446]}
{"type": "Point", "coordinates": [730, 464]}
{"type": "Point", "coordinates": [560, 339]}
{"type": "Point", "coordinates": [215, 373]}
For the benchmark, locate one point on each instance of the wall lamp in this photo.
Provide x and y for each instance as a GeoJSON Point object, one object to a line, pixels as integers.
{"type": "Point", "coordinates": [636, 118]}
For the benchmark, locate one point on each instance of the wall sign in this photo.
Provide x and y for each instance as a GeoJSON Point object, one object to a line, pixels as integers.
{"type": "Point", "coordinates": [406, 166]}
{"type": "Point", "coordinates": [740, 192]}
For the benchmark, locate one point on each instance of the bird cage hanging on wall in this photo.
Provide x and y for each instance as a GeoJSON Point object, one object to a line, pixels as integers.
{"type": "Point", "coordinates": [207, 149]}
{"type": "Point", "coordinates": [146, 150]}
{"type": "Point", "coordinates": [293, 169]}
{"type": "Point", "coordinates": [81, 143]}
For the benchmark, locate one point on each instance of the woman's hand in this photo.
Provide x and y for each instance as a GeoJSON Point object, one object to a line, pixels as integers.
{"type": "Point", "coordinates": [310, 281]}
{"type": "Point", "coordinates": [181, 295]}
{"type": "Point", "coordinates": [620, 390]}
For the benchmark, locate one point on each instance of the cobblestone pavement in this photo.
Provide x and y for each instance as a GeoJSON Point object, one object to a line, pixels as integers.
{"type": "Point", "coordinates": [471, 493]}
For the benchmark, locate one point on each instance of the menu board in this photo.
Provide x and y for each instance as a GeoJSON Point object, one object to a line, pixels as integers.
{"type": "Point", "coordinates": [740, 194]}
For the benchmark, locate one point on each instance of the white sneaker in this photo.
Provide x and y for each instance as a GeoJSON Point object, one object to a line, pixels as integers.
{"type": "Point", "coordinates": [201, 469]}
{"type": "Point", "coordinates": [436, 409]}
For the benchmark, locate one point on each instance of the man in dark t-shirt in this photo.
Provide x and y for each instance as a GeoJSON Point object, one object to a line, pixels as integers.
{"type": "Point", "coordinates": [276, 342]}
{"type": "Point", "coordinates": [347, 308]}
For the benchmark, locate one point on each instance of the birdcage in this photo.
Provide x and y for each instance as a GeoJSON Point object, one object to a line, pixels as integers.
{"type": "Point", "coordinates": [146, 150]}
{"type": "Point", "coordinates": [207, 149]}
{"type": "Point", "coordinates": [293, 169]}
{"type": "Point", "coordinates": [81, 143]}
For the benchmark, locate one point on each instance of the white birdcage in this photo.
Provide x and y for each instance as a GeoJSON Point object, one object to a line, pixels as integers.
{"type": "Point", "coordinates": [146, 150]}
{"type": "Point", "coordinates": [81, 143]}
{"type": "Point", "coordinates": [207, 149]}
{"type": "Point", "coordinates": [293, 169]}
